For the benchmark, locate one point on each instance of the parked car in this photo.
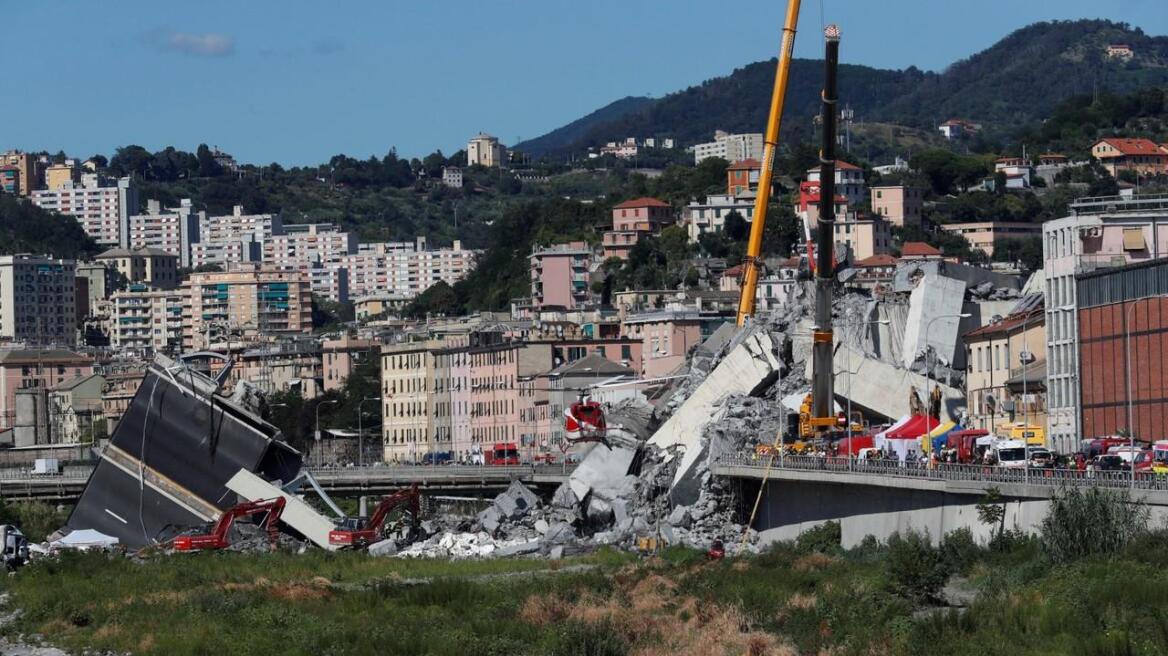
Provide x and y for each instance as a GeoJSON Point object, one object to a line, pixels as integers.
{"type": "Point", "coordinates": [1041, 458]}
{"type": "Point", "coordinates": [1109, 462]}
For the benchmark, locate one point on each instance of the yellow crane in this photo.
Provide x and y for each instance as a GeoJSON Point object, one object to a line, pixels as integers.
{"type": "Point", "coordinates": [771, 140]}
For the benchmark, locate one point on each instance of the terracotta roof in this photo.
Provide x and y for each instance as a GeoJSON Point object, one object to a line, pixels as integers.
{"type": "Point", "coordinates": [641, 202]}
{"type": "Point", "coordinates": [748, 163]}
{"type": "Point", "coordinates": [918, 249]}
{"type": "Point", "coordinates": [1034, 318]}
{"type": "Point", "coordinates": [839, 164]}
{"type": "Point", "coordinates": [876, 261]}
{"type": "Point", "coordinates": [1132, 147]}
{"type": "Point", "coordinates": [733, 272]}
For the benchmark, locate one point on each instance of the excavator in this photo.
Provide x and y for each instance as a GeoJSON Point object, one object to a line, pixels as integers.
{"type": "Point", "coordinates": [358, 533]}
{"type": "Point", "coordinates": [219, 537]}
{"type": "Point", "coordinates": [816, 416]}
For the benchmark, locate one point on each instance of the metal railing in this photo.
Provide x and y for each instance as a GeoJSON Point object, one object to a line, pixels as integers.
{"type": "Point", "coordinates": [953, 472]}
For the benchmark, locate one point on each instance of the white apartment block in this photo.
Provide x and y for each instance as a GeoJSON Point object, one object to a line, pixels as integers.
{"type": "Point", "coordinates": [146, 320]}
{"type": "Point", "coordinates": [405, 269]}
{"type": "Point", "coordinates": [234, 238]}
{"type": "Point", "coordinates": [300, 245]}
{"type": "Point", "coordinates": [849, 181]}
{"type": "Point", "coordinates": [710, 216]}
{"type": "Point", "coordinates": [1100, 233]}
{"type": "Point", "coordinates": [103, 209]}
{"type": "Point", "coordinates": [172, 230]}
{"type": "Point", "coordinates": [330, 280]}
{"type": "Point", "coordinates": [38, 303]}
{"type": "Point", "coordinates": [730, 147]}
{"type": "Point", "coordinates": [485, 150]}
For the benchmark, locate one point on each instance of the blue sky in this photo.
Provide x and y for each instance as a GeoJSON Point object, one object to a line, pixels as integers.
{"type": "Point", "coordinates": [297, 82]}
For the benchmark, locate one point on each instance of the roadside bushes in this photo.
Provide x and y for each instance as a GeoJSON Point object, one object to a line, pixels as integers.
{"type": "Point", "coordinates": [1091, 522]}
{"type": "Point", "coordinates": [915, 569]}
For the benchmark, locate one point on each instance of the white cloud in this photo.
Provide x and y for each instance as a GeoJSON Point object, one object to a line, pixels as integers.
{"type": "Point", "coordinates": [209, 44]}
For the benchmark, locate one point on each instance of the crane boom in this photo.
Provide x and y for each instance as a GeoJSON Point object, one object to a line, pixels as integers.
{"type": "Point", "coordinates": [822, 380]}
{"type": "Point", "coordinates": [774, 123]}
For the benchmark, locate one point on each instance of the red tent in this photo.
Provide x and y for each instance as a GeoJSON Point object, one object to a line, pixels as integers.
{"type": "Point", "coordinates": [915, 427]}
{"type": "Point", "coordinates": [851, 446]}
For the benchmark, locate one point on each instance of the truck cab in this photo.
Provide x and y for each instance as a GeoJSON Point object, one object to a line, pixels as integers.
{"type": "Point", "coordinates": [1010, 453]}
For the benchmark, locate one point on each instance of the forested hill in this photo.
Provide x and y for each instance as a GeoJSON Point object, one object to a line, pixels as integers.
{"type": "Point", "coordinates": [1013, 83]}
{"type": "Point", "coordinates": [578, 129]}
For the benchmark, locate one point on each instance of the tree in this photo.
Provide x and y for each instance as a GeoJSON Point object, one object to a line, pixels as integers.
{"type": "Point", "coordinates": [208, 167]}
{"type": "Point", "coordinates": [130, 160]}
{"type": "Point", "coordinates": [439, 299]}
{"type": "Point", "coordinates": [735, 227]}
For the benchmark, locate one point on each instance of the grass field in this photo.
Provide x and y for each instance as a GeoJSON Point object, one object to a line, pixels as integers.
{"type": "Point", "coordinates": [805, 598]}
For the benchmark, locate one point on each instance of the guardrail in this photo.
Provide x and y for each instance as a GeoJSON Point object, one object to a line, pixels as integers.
{"type": "Point", "coordinates": [954, 472]}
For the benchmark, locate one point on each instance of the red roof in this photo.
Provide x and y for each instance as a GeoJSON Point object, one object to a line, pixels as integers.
{"type": "Point", "coordinates": [1034, 318]}
{"type": "Point", "coordinates": [918, 249]}
{"type": "Point", "coordinates": [839, 164]}
{"type": "Point", "coordinates": [1132, 147]}
{"type": "Point", "coordinates": [876, 261]}
{"type": "Point", "coordinates": [641, 202]}
{"type": "Point", "coordinates": [733, 272]}
{"type": "Point", "coordinates": [748, 163]}
{"type": "Point", "coordinates": [915, 427]}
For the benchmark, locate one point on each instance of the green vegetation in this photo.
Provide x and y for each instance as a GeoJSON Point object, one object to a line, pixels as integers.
{"type": "Point", "coordinates": [35, 519]}
{"type": "Point", "coordinates": [25, 228]}
{"type": "Point", "coordinates": [1020, 595]}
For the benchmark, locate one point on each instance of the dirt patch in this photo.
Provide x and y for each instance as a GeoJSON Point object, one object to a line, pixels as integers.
{"type": "Point", "coordinates": [814, 562]}
{"type": "Point", "coordinates": [802, 601]}
{"type": "Point", "coordinates": [649, 613]}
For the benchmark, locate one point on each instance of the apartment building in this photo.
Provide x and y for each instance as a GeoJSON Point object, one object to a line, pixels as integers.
{"type": "Point", "coordinates": [22, 369]}
{"type": "Point", "coordinates": [730, 147]}
{"type": "Point", "coordinates": [102, 207]}
{"type": "Point", "coordinates": [666, 337]}
{"type": "Point", "coordinates": [146, 320]}
{"type": "Point", "coordinates": [710, 216]}
{"type": "Point", "coordinates": [807, 203]}
{"type": "Point", "coordinates": [485, 150]}
{"type": "Point", "coordinates": [10, 180]}
{"type": "Point", "coordinates": [339, 358]}
{"type": "Point", "coordinates": [38, 302]}
{"type": "Point", "coordinates": [405, 269]}
{"type": "Point", "coordinates": [1100, 233]}
{"type": "Point", "coordinates": [985, 235]}
{"type": "Point", "coordinates": [407, 375]}
{"type": "Point", "coordinates": [27, 177]}
{"type": "Point", "coordinates": [995, 355]}
{"type": "Point", "coordinates": [248, 300]}
{"type": "Point", "coordinates": [170, 230]}
{"type": "Point", "coordinates": [864, 237]}
{"type": "Point", "coordinates": [144, 265]}
{"type": "Point", "coordinates": [58, 175]}
{"type": "Point", "coordinates": [633, 220]}
{"type": "Point", "coordinates": [849, 181]}
{"type": "Point", "coordinates": [234, 238]}
{"type": "Point", "coordinates": [898, 204]}
{"type": "Point", "coordinates": [560, 275]}
{"type": "Point", "coordinates": [452, 177]}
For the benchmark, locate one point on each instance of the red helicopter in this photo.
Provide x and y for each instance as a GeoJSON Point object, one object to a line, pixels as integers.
{"type": "Point", "coordinates": [584, 422]}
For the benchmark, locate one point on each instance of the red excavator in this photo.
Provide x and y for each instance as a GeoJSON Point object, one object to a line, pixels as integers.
{"type": "Point", "coordinates": [218, 538]}
{"type": "Point", "coordinates": [359, 533]}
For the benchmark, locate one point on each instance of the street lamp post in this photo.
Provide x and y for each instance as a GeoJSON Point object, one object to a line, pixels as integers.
{"type": "Point", "coordinates": [1131, 433]}
{"type": "Point", "coordinates": [930, 377]}
{"type": "Point", "coordinates": [318, 405]}
{"type": "Point", "coordinates": [360, 432]}
{"type": "Point", "coordinates": [848, 365]}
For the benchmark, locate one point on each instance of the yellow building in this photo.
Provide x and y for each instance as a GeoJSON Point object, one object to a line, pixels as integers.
{"type": "Point", "coordinates": [27, 165]}
{"type": "Point", "coordinates": [998, 356]}
{"type": "Point", "coordinates": [58, 174]}
{"type": "Point", "coordinates": [407, 372]}
{"type": "Point", "coordinates": [148, 266]}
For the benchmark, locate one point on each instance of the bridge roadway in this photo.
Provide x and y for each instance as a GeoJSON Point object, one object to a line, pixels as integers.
{"type": "Point", "coordinates": [881, 497]}
{"type": "Point", "coordinates": [1026, 482]}
{"type": "Point", "coordinates": [341, 481]}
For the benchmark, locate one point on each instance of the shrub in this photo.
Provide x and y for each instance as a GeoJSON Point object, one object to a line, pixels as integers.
{"type": "Point", "coordinates": [959, 551]}
{"type": "Point", "coordinates": [1091, 522]}
{"type": "Point", "coordinates": [824, 538]}
{"type": "Point", "coordinates": [915, 569]}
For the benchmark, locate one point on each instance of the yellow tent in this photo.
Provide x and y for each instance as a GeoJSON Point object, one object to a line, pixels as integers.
{"type": "Point", "coordinates": [927, 440]}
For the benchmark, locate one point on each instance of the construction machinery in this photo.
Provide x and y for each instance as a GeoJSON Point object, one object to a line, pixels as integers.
{"type": "Point", "coordinates": [358, 532]}
{"type": "Point", "coordinates": [750, 264]}
{"type": "Point", "coordinates": [219, 537]}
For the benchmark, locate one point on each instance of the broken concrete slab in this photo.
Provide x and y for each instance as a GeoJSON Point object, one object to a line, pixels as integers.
{"type": "Point", "coordinates": [564, 497]}
{"type": "Point", "coordinates": [602, 472]}
{"type": "Point", "coordinates": [749, 368]}
{"type": "Point", "coordinates": [297, 514]}
{"type": "Point", "coordinates": [383, 548]}
{"type": "Point", "coordinates": [489, 519]}
{"type": "Point", "coordinates": [932, 318]}
{"type": "Point", "coordinates": [559, 533]}
{"type": "Point", "coordinates": [519, 491]}
{"type": "Point", "coordinates": [680, 517]}
{"type": "Point", "coordinates": [519, 549]}
{"type": "Point", "coordinates": [883, 388]}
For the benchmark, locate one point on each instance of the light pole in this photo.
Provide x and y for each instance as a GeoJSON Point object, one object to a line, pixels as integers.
{"type": "Point", "coordinates": [1131, 433]}
{"type": "Point", "coordinates": [318, 405]}
{"type": "Point", "coordinates": [360, 433]}
{"type": "Point", "coordinates": [930, 377]}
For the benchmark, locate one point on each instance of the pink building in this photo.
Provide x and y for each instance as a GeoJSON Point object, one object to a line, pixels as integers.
{"type": "Point", "coordinates": [35, 368]}
{"type": "Point", "coordinates": [666, 338]}
{"type": "Point", "coordinates": [494, 395]}
{"type": "Point", "coordinates": [632, 220]}
{"type": "Point", "coordinates": [340, 356]}
{"type": "Point", "coordinates": [560, 275]}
